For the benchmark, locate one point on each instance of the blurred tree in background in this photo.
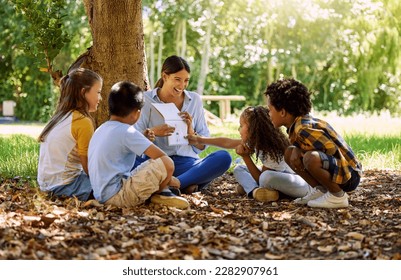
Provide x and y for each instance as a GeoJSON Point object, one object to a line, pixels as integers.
{"type": "Point", "coordinates": [346, 51]}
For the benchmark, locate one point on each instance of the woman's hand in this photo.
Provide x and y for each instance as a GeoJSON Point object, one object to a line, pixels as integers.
{"type": "Point", "coordinates": [150, 134]}
{"type": "Point", "coordinates": [163, 130]}
{"type": "Point", "coordinates": [187, 118]}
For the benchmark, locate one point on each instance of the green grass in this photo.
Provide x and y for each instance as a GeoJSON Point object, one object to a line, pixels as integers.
{"type": "Point", "coordinates": [377, 151]}
{"type": "Point", "coordinates": [18, 156]}
{"type": "Point", "coordinates": [375, 142]}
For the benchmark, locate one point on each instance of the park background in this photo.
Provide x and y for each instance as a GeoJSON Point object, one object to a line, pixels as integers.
{"type": "Point", "coordinates": [346, 52]}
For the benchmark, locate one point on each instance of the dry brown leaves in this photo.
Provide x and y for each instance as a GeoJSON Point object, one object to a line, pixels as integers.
{"type": "Point", "coordinates": [219, 225]}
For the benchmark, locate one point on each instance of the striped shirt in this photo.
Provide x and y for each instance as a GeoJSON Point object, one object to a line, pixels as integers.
{"type": "Point", "coordinates": [312, 134]}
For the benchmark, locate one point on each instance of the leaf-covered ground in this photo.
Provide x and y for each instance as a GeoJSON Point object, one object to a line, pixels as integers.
{"type": "Point", "coordinates": [219, 225]}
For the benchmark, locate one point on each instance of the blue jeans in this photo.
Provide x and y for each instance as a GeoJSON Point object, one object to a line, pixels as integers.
{"type": "Point", "coordinates": [80, 187]}
{"type": "Point", "coordinates": [192, 171]}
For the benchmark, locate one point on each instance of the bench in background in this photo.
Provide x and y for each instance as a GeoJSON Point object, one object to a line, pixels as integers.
{"type": "Point", "coordinates": [224, 103]}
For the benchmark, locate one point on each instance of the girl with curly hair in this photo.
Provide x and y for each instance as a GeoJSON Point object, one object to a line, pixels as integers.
{"type": "Point", "coordinates": [260, 137]}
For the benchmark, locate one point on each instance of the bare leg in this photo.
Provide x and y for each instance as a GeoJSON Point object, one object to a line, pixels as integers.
{"type": "Point", "coordinates": [313, 165]}
{"type": "Point", "coordinates": [169, 164]}
{"type": "Point", "coordinates": [303, 173]}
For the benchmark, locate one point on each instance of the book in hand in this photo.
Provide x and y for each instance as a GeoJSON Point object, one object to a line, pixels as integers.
{"type": "Point", "coordinates": [169, 113]}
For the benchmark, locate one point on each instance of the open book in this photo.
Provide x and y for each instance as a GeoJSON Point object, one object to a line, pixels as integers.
{"type": "Point", "coordinates": [169, 113]}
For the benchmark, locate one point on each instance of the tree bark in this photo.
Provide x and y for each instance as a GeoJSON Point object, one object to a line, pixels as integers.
{"type": "Point", "coordinates": [118, 51]}
{"type": "Point", "coordinates": [160, 55]}
{"type": "Point", "coordinates": [151, 55]}
{"type": "Point", "coordinates": [205, 59]}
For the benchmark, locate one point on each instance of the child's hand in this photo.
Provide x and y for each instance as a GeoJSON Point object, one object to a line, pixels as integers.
{"type": "Point", "coordinates": [150, 134]}
{"type": "Point", "coordinates": [242, 150]}
{"type": "Point", "coordinates": [193, 139]}
{"type": "Point", "coordinates": [174, 182]}
{"type": "Point", "coordinates": [296, 159]}
{"type": "Point", "coordinates": [163, 130]}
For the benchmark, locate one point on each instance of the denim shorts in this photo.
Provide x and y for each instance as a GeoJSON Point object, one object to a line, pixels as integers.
{"type": "Point", "coordinates": [329, 163]}
{"type": "Point", "coordinates": [80, 187]}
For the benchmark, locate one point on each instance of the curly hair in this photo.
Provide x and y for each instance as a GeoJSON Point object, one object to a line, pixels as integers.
{"type": "Point", "coordinates": [263, 137]}
{"type": "Point", "coordinates": [290, 95]}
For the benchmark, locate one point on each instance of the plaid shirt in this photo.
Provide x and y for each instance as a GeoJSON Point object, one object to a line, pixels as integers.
{"type": "Point", "coordinates": [311, 134]}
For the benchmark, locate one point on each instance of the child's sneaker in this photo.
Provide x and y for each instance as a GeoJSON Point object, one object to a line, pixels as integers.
{"type": "Point", "coordinates": [169, 199]}
{"type": "Point", "coordinates": [314, 193]}
{"type": "Point", "coordinates": [240, 190]}
{"type": "Point", "coordinates": [329, 200]}
{"type": "Point", "coordinates": [265, 194]}
{"type": "Point", "coordinates": [175, 191]}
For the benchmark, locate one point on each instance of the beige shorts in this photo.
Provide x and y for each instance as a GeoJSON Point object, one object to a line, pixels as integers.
{"type": "Point", "coordinates": [143, 182]}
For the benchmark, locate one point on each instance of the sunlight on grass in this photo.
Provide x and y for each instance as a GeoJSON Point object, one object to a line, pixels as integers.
{"type": "Point", "coordinates": [31, 129]}
{"type": "Point", "coordinates": [374, 139]}
{"type": "Point", "coordinates": [382, 124]}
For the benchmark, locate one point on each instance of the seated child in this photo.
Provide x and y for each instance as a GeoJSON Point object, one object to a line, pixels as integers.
{"type": "Point", "coordinates": [259, 135]}
{"type": "Point", "coordinates": [63, 157]}
{"type": "Point", "coordinates": [112, 152]}
{"type": "Point", "coordinates": [318, 153]}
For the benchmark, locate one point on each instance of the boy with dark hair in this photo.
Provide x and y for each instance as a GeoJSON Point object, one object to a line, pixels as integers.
{"type": "Point", "coordinates": [112, 152]}
{"type": "Point", "coordinates": [318, 153]}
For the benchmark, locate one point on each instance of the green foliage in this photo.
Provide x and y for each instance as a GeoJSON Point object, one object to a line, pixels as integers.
{"type": "Point", "coordinates": [44, 35]}
{"type": "Point", "coordinates": [29, 30]}
{"type": "Point", "coordinates": [345, 51]}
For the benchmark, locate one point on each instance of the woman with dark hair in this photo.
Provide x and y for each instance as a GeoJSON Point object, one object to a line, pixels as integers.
{"type": "Point", "coordinates": [193, 172]}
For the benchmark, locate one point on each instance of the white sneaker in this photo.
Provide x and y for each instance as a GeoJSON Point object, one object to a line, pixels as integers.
{"type": "Point", "coordinates": [314, 193]}
{"type": "Point", "coordinates": [329, 200]}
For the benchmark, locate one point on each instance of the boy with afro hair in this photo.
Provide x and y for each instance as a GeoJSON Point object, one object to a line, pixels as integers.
{"type": "Point", "coordinates": [318, 153]}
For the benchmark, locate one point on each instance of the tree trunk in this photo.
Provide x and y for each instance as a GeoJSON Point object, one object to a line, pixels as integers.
{"type": "Point", "coordinates": [118, 51]}
{"type": "Point", "coordinates": [151, 56]}
{"type": "Point", "coordinates": [184, 38]}
{"type": "Point", "coordinates": [160, 55]}
{"type": "Point", "coordinates": [181, 38]}
{"type": "Point", "coordinates": [205, 59]}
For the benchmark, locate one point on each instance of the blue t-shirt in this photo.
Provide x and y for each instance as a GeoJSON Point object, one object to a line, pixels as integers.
{"type": "Point", "coordinates": [111, 156]}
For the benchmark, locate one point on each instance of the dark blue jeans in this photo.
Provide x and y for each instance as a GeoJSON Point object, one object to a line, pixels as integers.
{"type": "Point", "coordinates": [192, 171]}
